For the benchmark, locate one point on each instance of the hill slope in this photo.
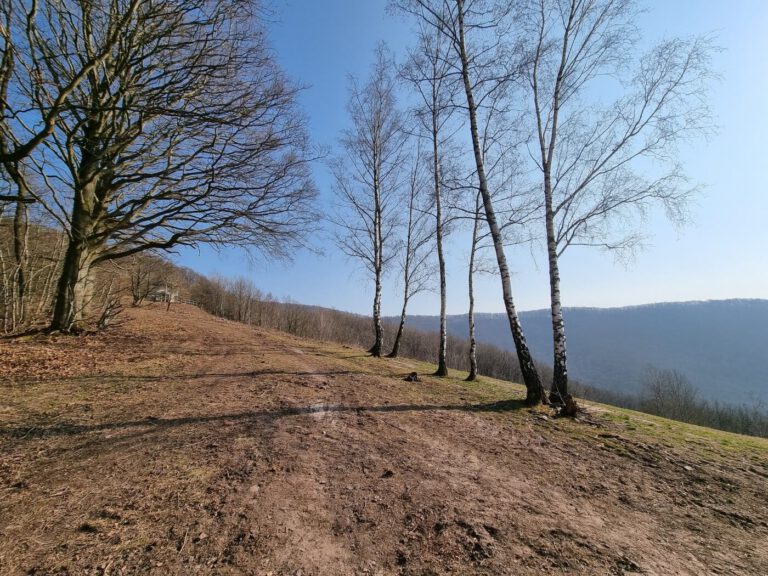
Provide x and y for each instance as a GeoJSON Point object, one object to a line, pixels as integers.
{"type": "Point", "coordinates": [719, 345]}
{"type": "Point", "coordinates": [179, 444]}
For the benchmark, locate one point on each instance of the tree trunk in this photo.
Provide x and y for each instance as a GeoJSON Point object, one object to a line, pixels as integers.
{"type": "Point", "coordinates": [442, 353]}
{"type": "Point", "coordinates": [471, 290]}
{"type": "Point", "coordinates": [378, 329]}
{"type": "Point", "coordinates": [535, 391]}
{"type": "Point", "coordinates": [559, 388]}
{"type": "Point", "coordinates": [20, 255]}
{"type": "Point", "coordinates": [73, 292]}
{"type": "Point", "coordinates": [20, 251]}
{"type": "Point", "coordinates": [400, 330]}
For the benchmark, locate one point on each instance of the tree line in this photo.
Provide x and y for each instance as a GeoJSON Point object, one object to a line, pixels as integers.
{"type": "Point", "coordinates": [525, 121]}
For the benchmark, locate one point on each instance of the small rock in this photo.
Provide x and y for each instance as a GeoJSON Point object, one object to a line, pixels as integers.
{"type": "Point", "coordinates": [688, 468]}
{"type": "Point", "coordinates": [387, 474]}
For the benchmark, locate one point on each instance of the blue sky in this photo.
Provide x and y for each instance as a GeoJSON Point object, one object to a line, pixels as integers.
{"type": "Point", "coordinates": [721, 254]}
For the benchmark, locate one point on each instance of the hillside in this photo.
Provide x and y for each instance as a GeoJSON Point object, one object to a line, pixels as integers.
{"type": "Point", "coordinates": [719, 345]}
{"type": "Point", "coordinates": [178, 443]}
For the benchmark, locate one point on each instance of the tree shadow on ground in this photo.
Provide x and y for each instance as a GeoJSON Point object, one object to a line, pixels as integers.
{"type": "Point", "coordinates": [255, 416]}
{"type": "Point", "coordinates": [117, 379]}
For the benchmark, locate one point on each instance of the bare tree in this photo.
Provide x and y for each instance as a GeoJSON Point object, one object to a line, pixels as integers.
{"type": "Point", "coordinates": [500, 140]}
{"type": "Point", "coordinates": [589, 156]}
{"type": "Point", "coordinates": [670, 394]}
{"type": "Point", "coordinates": [368, 179]}
{"type": "Point", "coordinates": [472, 269]}
{"type": "Point", "coordinates": [429, 72]}
{"type": "Point", "coordinates": [28, 33]}
{"type": "Point", "coordinates": [472, 27]}
{"type": "Point", "coordinates": [417, 246]}
{"type": "Point", "coordinates": [183, 131]}
{"type": "Point", "coordinates": [145, 275]}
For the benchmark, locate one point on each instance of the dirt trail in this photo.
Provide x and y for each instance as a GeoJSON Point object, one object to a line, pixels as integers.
{"type": "Point", "coordinates": [184, 444]}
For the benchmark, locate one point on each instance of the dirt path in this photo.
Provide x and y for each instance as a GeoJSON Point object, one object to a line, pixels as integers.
{"type": "Point", "coordinates": [183, 444]}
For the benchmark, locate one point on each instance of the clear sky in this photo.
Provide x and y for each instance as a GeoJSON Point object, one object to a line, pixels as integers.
{"type": "Point", "coordinates": [722, 254]}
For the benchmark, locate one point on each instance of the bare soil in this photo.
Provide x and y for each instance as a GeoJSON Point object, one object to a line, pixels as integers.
{"type": "Point", "coordinates": [178, 443]}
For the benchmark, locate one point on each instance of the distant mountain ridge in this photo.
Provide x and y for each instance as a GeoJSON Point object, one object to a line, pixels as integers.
{"type": "Point", "coordinates": [720, 345]}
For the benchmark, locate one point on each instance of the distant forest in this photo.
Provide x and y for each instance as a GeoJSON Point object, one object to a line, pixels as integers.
{"type": "Point", "coordinates": [718, 345]}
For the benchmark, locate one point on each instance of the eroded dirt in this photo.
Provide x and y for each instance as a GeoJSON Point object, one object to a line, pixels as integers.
{"type": "Point", "coordinates": [183, 444]}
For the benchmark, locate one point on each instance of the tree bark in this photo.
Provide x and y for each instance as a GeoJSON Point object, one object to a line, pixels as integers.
{"type": "Point", "coordinates": [73, 291]}
{"type": "Point", "coordinates": [400, 329]}
{"type": "Point", "coordinates": [534, 390]}
{"type": "Point", "coordinates": [559, 388]}
{"type": "Point", "coordinates": [442, 353]}
{"type": "Point", "coordinates": [378, 329]}
{"type": "Point", "coordinates": [471, 290]}
{"type": "Point", "coordinates": [20, 255]}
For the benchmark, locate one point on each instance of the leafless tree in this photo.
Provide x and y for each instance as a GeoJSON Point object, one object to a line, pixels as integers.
{"type": "Point", "coordinates": [183, 130]}
{"type": "Point", "coordinates": [146, 273]}
{"type": "Point", "coordinates": [368, 179]}
{"type": "Point", "coordinates": [516, 207]}
{"type": "Point", "coordinates": [429, 73]}
{"type": "Point", "coordinates": [604, 165]}
{"type": "Point", "coordinates": [471, 271]}
{"type": "Point", "coordinates": [28, 34]}
{"type": "Point", "coordinates": [417, 244]}
{"type": "Point", "coordinates": [44, 249]}
{"type": "Point", "coordinates": [474, 29]}
{"type": "Point", "coordinates": [670, 394]}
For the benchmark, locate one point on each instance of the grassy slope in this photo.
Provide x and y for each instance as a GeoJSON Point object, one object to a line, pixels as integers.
{"type": "Point", "coordinates": [180, 443]}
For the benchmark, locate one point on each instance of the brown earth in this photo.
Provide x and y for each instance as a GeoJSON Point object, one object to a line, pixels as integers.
{"type": "Point", "coordinates": [178, 443]}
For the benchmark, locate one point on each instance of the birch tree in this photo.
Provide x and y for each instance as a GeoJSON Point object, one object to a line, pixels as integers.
{"type": "Point", "coordinates": [472, 269]}
{"type": "Point", "coordinates": [603, 166]}
{"type": "Point", "coordinates": [472, 28]}
{"type": "Point", "coordinates": [429, 73]}
{"type": "Point", "coordinates": [417, 245]}
{"type": "Point", "coordinates": [184, 132]}
{"type": "Point", "coordinates": [368, 179]}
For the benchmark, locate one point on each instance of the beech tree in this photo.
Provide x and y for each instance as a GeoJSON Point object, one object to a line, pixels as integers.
{"type": "Point", "coordinates": [28, 33]}
{"type": "Point", "coordinates": [603, 166]}
{"type": "Point", "coordinates": [181, 131]}
{"type": "Point", "coordinates": [368, 179]}
{"type": "Point", "coordinates": [472, 28]}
